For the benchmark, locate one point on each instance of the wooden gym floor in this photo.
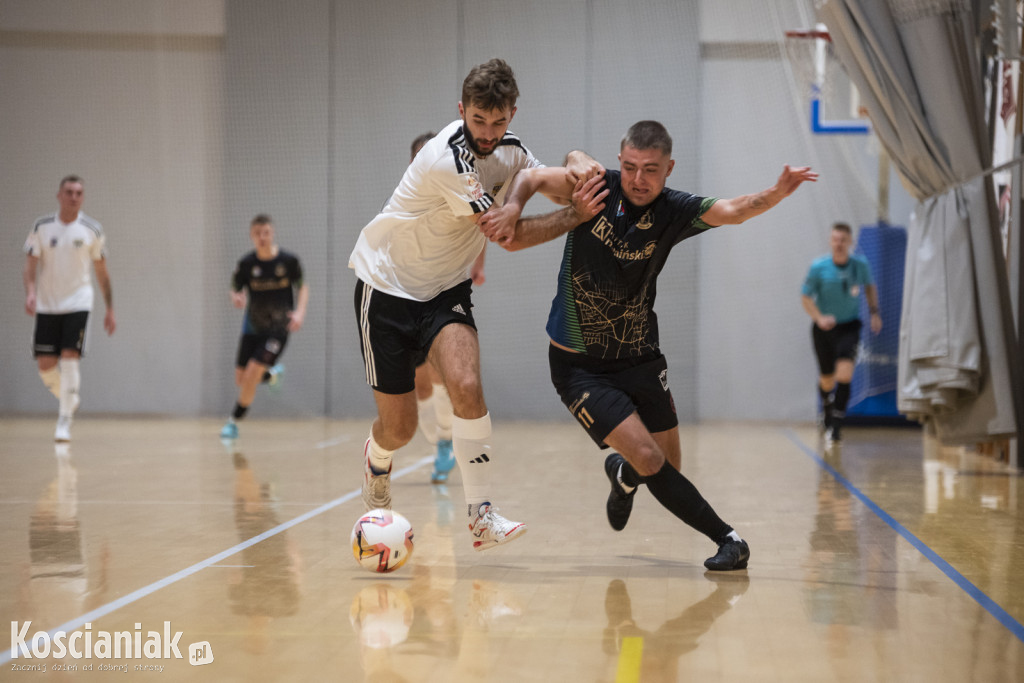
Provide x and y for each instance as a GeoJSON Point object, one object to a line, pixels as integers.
{"type": "Point", "coordinates": [892, 560]}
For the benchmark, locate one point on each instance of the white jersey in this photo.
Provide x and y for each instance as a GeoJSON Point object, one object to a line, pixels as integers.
{"type": "Point", "coordinates": [425, 240]}
{"type": "Point", "coordinates": [65, 253]}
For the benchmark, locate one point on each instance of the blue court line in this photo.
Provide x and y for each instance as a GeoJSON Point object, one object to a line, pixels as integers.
{"type": "Point", "coordinates": [145, 591]}
{"type": "Point", "coordinates": [990, 605]}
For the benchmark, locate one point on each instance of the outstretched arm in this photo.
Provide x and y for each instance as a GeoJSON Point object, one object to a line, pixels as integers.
{"type": "Point", "coordinates": [738, 209]}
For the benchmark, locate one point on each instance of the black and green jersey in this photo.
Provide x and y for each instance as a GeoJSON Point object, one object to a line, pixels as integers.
{"type": "Point", "coordinates": [271, 286]}
{"type": "Point", "coordinates": [607, 281]}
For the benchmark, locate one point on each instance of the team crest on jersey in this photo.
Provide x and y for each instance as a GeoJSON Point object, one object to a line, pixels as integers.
{"type": "Point", "coordinates": [646, 221]}
{"type": "Point", "coordinates": [256, 272]}
{"type": "Point", "coordinates": [53, 241]}
{"type": "Point", "coordinates": [476, 191]}
{"type": "Point", "coordinates": [279, 270]}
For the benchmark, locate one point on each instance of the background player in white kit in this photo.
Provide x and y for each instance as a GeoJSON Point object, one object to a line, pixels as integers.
{"type": "Point", "coordinates": [60, 250]}
{"type": "Point", "coordinates": [413, 298]}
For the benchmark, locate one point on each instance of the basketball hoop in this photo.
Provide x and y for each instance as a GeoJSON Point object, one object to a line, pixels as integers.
{"type": "Point", "coordinates": [812, 58]}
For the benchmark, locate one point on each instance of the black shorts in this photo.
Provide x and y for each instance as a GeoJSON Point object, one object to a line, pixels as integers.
{"type": "Point", "coordinates": [262, 348]}
{"type": "Point", "coordinates": [839, 343]}
{"type": "Point", "coordinates": [395, 334]}
{"type": "Point", "coordinates": [601, 394]}
{"type": "Point", "coordinates": [58, 331]}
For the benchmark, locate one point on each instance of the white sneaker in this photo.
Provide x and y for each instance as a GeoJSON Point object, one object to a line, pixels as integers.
{"type": "Point", "coordinates": [489, 528]}
{"type": "Point", "coordinates": [376, 487]}
{"type": "Point", "coordinates": [63, 431]}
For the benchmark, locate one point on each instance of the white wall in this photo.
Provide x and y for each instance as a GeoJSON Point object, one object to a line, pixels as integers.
{"type": "Point", "coordinates": [104, 94]}
{"type": "Point", "coordinates": [187, 119]}
{"type": "Point", "coordinates": [756, 358]}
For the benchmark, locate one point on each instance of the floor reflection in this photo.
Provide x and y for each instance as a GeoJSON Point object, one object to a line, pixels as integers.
{"type": "Point", "coordinates": [267, 584]}
{"type": "Point", "coordinates": [655, 654]}
{"type": "Point", "coordinates": [850, 572]}
{"type": "Point", "coordinates": [58, 584]}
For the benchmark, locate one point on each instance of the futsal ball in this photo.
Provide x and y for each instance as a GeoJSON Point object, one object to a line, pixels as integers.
{"type": "Point", "coordinates": [382, 541]}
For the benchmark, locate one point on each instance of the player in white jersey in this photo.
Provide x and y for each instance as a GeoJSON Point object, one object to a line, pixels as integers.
{"type": "Point", "coordinates": [60, 250]}
{"type": "Point", "coordinates": [413, 298]}
{"type": "Point", "coordinates": [433, 406]}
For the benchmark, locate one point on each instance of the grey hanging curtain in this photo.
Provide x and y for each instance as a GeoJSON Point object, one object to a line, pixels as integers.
{"type": "Point", "coordinates": [916, 66]}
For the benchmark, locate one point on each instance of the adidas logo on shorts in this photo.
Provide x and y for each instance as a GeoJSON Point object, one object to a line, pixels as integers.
{"type": "Point", "coordinates": [482, 459]}
{"type": "Point", "coordinates": [457, 308]}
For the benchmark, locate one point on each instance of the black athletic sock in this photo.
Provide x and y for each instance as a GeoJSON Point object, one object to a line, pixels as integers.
{"type": "Point", "coordinates": [826, 398]}
{"type": "Point", "coordinates": [239, 411]}
{"type": "Point", "coordinates": [680, 497]}
{"type": "Point", "coordinates": [842, 398]}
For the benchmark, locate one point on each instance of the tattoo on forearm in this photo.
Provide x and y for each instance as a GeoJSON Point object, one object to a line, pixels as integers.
{"type": "Point", "coordinates": [539, 229]}
{"type": "Point", "coordinates": [759, 202]}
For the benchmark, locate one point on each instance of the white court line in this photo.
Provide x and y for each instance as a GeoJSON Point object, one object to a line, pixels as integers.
{"type": "Point", "coordinates": [145, 591]}
{"type": "Point", "coordinates": [333, 442]}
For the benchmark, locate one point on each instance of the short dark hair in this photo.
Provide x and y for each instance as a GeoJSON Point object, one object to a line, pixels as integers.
{"type": "Point", "coordinates": [261, 219]}
{"type": "Point", "coordinates": [843, 227]}
{"type": "Point", "coordinates": [647, 135]}
{"type": "Point", "coordinates": [70, 179]}
{"type": "Point", "coordinates": [418, 142]}
{"type": "Point", "coordinates": [490, 86]}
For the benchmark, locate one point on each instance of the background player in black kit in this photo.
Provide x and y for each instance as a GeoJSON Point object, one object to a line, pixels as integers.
{"type": "Point", "coordinates": [604, 355]}
{"type": "Point", "coordinates": [269, 276]}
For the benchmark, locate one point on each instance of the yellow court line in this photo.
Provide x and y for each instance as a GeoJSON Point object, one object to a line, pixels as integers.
{"type": "Point", "coordinates": [629, 660]}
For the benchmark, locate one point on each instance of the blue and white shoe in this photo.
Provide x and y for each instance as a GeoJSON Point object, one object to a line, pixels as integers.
{"type": "Point", "coordinates": [229, 430]}
{"type": "Point", "coordinates": [276, 373]}
{"type": "Point", "coordinates": [444, 461]}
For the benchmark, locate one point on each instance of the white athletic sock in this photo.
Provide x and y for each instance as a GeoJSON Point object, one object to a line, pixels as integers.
{"type": "Point", "coordinates": [380, 458]}
{"type": "Point", "coordinates": [473, 453]}
{"type": "Point", "coordinates": [428, 421]}
{"type": "Point", "coordinates": [70, 379]}
{"type": "Point", "coordinates": [51, 380]}
{"type": "Point", "coordinates": [443, 412]}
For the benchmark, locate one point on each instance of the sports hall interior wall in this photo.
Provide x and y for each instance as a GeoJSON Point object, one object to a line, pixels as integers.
{"type": "Point", "coordinates": [186, 119]}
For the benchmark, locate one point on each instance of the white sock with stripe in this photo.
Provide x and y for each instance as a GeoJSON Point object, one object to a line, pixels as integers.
{"type": "Point", "coordinates": [380, 458]}
{"type": "Point", "coordinates": [70, 379]}
{"type": "Point", "coordinates": [473, 453]}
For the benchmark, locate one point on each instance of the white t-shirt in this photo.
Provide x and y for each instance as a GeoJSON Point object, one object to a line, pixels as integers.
{"type": "Point", "coordinates": [424, 240]}
{"type": "Point", "coordinates": [65, 253]}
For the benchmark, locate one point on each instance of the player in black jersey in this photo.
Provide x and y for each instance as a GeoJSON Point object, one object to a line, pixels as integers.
{"type": "Point", "coordinates": [264, 283]}
{"type": "Point", "coordinates": [604, 355]}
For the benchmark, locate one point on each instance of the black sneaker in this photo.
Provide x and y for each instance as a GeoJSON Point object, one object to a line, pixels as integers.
{"type": "Point", "coordinates": [730, 555]}
{"type": "Point", "coordinates": [620, 503]}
